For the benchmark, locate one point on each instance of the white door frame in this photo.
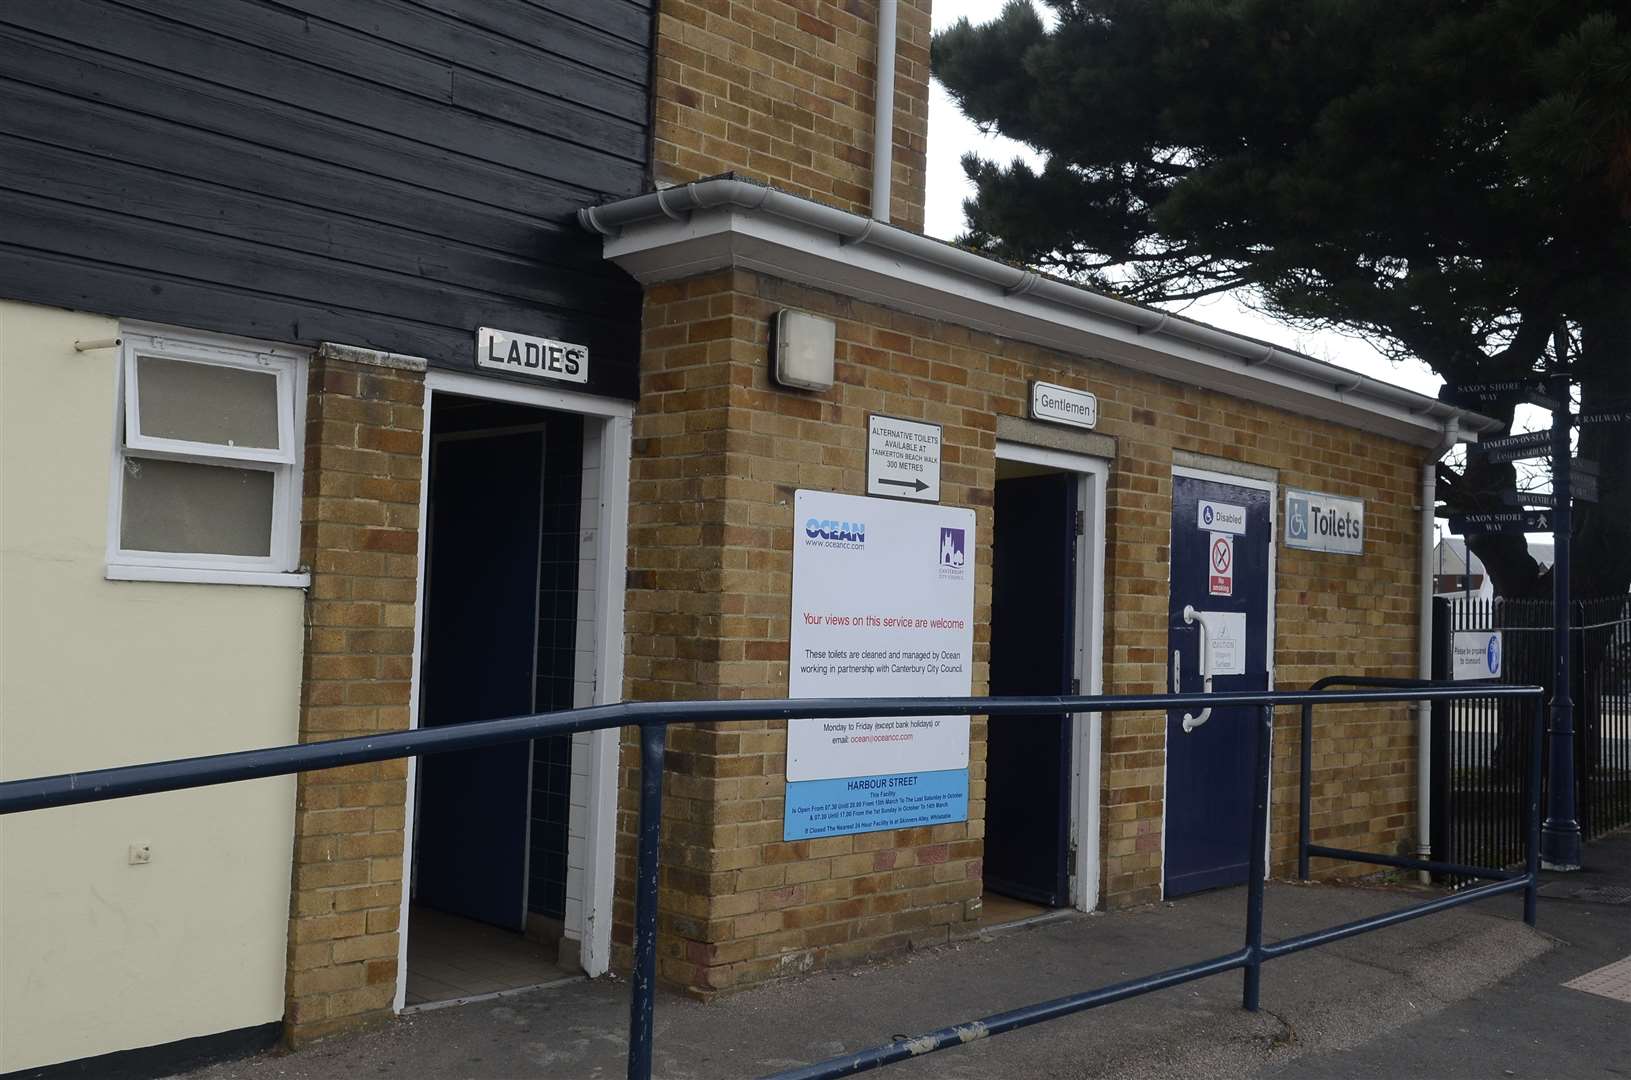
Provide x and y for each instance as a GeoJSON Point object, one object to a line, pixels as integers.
{"type": "Point", "coordinates": [1272, 487]}
{"type": "Point", "coordinates": [1087, 728]}
{"type": "Point", "coordinates": [615, 418]}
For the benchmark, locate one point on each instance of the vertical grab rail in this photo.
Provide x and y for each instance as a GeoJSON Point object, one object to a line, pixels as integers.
{"type": "Point", "coordinates": [642, 999]}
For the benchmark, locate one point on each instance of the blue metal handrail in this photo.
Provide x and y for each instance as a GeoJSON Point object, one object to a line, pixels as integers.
{"type": "Point", "coordinates": [653, 719]}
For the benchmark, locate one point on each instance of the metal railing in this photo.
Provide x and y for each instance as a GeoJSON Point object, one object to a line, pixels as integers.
{"type": "Point", "coordinates": [653, 720]}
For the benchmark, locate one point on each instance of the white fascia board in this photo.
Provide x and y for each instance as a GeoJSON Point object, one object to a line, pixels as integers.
{"type": "Point", "coordinates": [707, 240]}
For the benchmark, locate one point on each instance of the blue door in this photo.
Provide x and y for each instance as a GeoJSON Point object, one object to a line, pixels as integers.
{"type": "Point", "coordinates": [1222, 537]}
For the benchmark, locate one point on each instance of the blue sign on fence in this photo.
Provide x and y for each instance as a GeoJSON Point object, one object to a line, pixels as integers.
{"type": "Point", "coordinates": [857, 804]}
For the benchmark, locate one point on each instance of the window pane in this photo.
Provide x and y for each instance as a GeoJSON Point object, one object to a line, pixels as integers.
{"type": "Point", "coordinates": [184, 507]}
{"type": "Point", "coordinates": [207, 403]}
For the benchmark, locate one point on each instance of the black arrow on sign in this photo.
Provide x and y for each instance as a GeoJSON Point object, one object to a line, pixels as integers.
{"type": "Point", "coordinates": [915, 485]}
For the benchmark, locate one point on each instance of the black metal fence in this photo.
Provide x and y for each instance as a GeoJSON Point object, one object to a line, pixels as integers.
{"type": "Point", "coordinates": [1480, 783]}
{"type": "Point", "coordinates": [653, 720]}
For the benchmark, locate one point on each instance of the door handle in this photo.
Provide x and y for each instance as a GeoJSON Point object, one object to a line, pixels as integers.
{"type": "Point", "coordinates": [1191, 722]}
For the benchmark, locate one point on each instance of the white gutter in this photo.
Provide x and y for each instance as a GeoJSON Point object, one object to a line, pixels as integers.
{"type": "Point", "coordinates": [883, 113]}
{"type": "Point", "coordinates": [1424, 652]}
{"type": "Point", "coordinates": [711, 224]}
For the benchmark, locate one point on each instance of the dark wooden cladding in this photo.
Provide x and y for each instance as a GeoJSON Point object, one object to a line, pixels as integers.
{"type": "Point", "coordinates": [391, 174]}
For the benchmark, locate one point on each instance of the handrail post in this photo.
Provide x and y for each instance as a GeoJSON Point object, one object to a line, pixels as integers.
{"type": "Point", "coordinates": [1305, 795]}
{"type": "Point", "coordinates": [1257, 863]}
{"type": "Point", "coordinates": [653, 740]}
{"type": "Point", "coordinates": [1531, 893]}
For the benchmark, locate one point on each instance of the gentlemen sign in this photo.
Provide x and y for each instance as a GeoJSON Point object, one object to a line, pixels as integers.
{"type": "Point", "coordinates": [502, 350]}
{"type": "Point", "coordinates": [1062, 405]}
{"type": "Point", "coordinates": [1316, 522]}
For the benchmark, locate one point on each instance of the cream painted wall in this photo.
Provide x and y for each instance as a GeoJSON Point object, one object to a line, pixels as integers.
{"type": "Point", "coordinates": [98, 955]}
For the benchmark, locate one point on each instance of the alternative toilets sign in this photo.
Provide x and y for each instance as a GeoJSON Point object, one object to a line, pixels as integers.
{"type": "Point", "coordinates": [1317, 522]}
{"type": "Point", "coordinates": [883, 606]}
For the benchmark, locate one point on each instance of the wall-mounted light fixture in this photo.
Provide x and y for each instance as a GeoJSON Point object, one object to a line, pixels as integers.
{"type": "Point", "coordinates": [803, 345]}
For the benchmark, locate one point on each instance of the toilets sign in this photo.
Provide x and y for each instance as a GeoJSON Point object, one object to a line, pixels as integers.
{"type": "Point", "coordinates": [1318, 522]}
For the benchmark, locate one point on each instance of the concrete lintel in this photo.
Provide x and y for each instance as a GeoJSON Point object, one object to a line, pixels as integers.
{"type": "Point", "coordinates": [356, 354]}
{"type": "Point", "coordinates": [1055, 437]}
{"type": "Point", "coordinates": [1226, 466]}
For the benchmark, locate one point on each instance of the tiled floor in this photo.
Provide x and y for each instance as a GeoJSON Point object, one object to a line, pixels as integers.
{"type": "Point", "coordinates": [450, 959]}
{"type": "Point", "coordinates": [996, 909]}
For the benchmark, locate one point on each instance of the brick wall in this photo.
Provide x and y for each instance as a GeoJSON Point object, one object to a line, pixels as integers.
{"type": "Point", "coordinates": [360, 537]}
{"type": "Point", "coordinates": [718, 455]}
{"type": "Point", "coordinates": [782, 92]}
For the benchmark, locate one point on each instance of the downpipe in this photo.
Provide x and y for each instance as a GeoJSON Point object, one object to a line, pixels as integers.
{"type": "Point", "coordinates": [883, 115]}
{"type": "Point", "coordinates": [1424, 650]}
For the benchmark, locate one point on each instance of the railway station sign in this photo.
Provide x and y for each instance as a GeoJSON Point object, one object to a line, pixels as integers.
{"type": "Point", "coordinates": [903, 459]}
{"type": "Point", "coordinates": [883, 606]}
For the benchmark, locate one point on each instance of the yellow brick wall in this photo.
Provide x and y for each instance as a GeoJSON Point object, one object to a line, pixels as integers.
{"type": "Point", "coordinates": [782, 92]}
{"type": "Point", "coordinates": [360, 536]}
{"type": "Point", "coordinates": [719, 453]}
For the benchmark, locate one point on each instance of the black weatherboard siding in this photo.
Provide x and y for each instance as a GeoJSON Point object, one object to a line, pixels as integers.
{"type": "Point", "coordinates": [384, 173]}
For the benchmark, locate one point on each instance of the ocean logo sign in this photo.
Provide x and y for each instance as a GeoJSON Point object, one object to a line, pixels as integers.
{"type": "Point", "coordinates": [1492, 654]}
{"type": "Point", "coordinates": [952, 548]}
{"type": "Point", "coordinates": [830, 533]}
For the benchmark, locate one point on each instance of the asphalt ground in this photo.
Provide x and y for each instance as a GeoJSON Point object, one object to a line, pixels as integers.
{"type": "Point", "coordinates": [1470, 992]}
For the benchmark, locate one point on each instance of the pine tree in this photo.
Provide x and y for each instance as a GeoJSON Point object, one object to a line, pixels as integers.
{"type": "Point", "coordinates": [1449, 178]}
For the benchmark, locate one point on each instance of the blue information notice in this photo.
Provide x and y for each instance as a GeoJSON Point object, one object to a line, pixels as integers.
{"type": "Point", "coordinates": [858, 804]}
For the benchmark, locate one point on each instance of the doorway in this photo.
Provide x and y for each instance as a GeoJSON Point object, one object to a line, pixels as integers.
{"type": "Point", "coordinates": [489, 860]}
{"type": "Point", "coordinates": [1220, 618]}
{"type": "Point", "coordinates": [1046, 565]}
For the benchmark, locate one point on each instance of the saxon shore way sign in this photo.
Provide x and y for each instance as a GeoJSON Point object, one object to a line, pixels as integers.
{"type": "Point", "coordinates": [1501, 521]}
{"type": "Point", "coordinates": [903, 459]}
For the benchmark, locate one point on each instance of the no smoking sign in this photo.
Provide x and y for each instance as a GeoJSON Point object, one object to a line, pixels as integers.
{"type": "Point", "coordinates": [1220, 565]}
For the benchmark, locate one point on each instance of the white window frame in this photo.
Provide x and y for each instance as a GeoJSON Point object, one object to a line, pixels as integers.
{"type": "Point", "coordinates": [289, 366]}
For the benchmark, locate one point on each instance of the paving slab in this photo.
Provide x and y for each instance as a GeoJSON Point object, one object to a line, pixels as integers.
{"type": "Point", "coordinates": [1324, 1000]}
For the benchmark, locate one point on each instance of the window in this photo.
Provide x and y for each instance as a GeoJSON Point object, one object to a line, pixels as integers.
{"type": "Point", "coordinates": [206, 465]}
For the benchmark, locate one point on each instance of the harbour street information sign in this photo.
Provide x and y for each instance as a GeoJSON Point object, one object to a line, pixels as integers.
{"type": "Point", "coordinates": [903, 459]}
{"type": "Point", "coordinates": [1533, 444]}
{"type": "Point", "coordinates": [883, 606]}
{"type": "Point", "coordinates": [1502, 521]}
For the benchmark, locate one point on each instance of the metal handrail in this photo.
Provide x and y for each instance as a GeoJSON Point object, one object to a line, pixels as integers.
{"type": "Point", "coordinates": [653, 719]}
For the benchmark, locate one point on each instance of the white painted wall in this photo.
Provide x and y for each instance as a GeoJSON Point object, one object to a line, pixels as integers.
{"type": "Point", "coordinates": [99, 955]}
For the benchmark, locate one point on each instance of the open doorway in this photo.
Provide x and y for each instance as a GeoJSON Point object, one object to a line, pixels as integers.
{"type": "Point", "coordinates": [1044, 640]}
{"type": "Point", "coordinates": [488, 877]}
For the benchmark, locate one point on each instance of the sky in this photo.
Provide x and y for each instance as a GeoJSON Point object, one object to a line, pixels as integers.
{"type": "Point", "coordinates": [951, 135]}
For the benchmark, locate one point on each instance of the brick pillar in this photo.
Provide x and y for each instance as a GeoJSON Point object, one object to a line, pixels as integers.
{"type": "Point", "coordinates": [365, 424]}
